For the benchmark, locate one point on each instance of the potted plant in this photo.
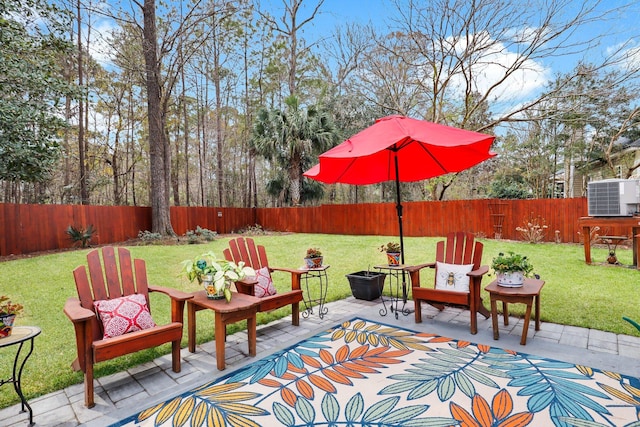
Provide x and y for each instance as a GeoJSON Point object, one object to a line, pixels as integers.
{"type": "Point", "coordinates": [8, 313]}
{"type": "Point", "coordinates": [511, 269]}
{"type": "Point", "coordinates": [392, 250]}
{"type": "Point", "coordinates": [215, 274]}
{"type": "Point", "coordinates": [314, 258]}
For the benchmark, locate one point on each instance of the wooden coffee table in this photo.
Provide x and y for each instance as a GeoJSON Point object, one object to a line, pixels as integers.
{"type": "Point", "coordinates": [239, 308]}
{"type": "Point", "coordinates": [528, 293]}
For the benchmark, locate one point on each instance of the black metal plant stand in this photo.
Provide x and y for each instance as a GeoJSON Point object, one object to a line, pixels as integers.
{"type": "Point", "coordinates": [397, 290]}
{"type": "Point", "coordinates": [19, 336]}
{"type": "Point", "coordinates": [313, 274]}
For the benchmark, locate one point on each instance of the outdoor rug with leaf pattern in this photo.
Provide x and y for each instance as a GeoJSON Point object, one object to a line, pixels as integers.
{"type": "Point", "coordinates": [363, 373]}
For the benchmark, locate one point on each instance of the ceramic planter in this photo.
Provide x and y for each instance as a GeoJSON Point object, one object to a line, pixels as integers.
{"type": "Point", "coordinates": [6, 324]}
{"type": "Point", "coordinates": [512, 279]}
{"type": "Point", "coordinates": [313, 262]}
{"type": "Point", "coordinates": [393, 258]}
{"type": "Point", "coordinates": [210, 289]}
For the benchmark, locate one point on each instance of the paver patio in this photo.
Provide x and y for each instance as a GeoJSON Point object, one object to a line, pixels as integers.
{"type": "Point", "coordinates": [125, 393]}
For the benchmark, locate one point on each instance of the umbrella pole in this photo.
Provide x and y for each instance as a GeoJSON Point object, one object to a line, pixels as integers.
{"type": "Point", "coordinates": [399, 211]}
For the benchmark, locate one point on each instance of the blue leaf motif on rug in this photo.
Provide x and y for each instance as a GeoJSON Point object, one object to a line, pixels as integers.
{"type": "Point", "coordinates": [364, 373]}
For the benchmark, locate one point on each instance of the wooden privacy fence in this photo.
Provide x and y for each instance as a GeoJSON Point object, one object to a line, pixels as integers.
{"type": "Point", "coordinates": [433, 218]}
{"type": "Point", "coordinates": [33, 228]}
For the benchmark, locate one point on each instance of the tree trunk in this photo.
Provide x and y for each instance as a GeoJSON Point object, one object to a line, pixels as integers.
{"type": "Point", "coordinates": [185, 119]}
{"type": "Point", "coordinates": [295, 180]}
{"type": "Point", "coordinates": [84, 196]}
{"type": "Point", "coordinates": [158, 155]}
{"type": "Point", "coordinates": [175, 177]}
{"type": "Point", "coordinates": [218, 100]}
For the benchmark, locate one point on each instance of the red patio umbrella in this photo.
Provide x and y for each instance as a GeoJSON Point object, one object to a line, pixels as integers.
{"type": "Point", "coordinates": [401, 149]}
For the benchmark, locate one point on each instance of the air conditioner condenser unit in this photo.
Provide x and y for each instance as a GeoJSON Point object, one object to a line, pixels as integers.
{"type": "Point", "coordinates": [614, 197]}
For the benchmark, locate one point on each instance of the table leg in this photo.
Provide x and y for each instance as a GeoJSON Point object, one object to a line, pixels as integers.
{"type": "Point", "coordinates": [636, 244]}
{"type": "Point", "coordinates": [586, 237]}
{"type": "Point", "coordinates": [251, 333]}
{"type": "Point", "coordinates": [527, 316]}
{"type": "Point", "coordinates": [494, 318]}
{"type": "Point", "coordinates": [220, 336]}
{"type": "Point", "coordinates": [17, 380]}
{"type": "Point", "coordinates": [191, 327]}
{"type": "Point", "coordinates": [505, 313]}
{"type": "Point", "coordinates": [537, 304]}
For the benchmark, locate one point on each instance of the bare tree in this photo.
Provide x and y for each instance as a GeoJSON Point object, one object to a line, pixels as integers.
{"type": "Point", "coordinates": [456, 58]}
{"type": "Point", "coordinates": [159, 150]}
{"type": "Point", "coordinates": [488, 51]}
{"type": "Point", "coordinates": [289, 27]}
{"type": "Point", "coordinates": [162, 71]}
{"type": "Point", "coordinates": [84, 195]}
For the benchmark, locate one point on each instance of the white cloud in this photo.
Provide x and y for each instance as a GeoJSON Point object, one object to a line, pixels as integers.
{"type": "Point", "coordinates": [530, 77]}
{"type": "Point", "coordinates": [511, 79]}
{"type": "Point", "coordinates": [625, 55]}
{"type": "Point", "coordinates": [100, 46]}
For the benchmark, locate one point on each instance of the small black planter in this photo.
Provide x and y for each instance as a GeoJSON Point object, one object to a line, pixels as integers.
{"type": "Point", "coordinates": [366, 285]}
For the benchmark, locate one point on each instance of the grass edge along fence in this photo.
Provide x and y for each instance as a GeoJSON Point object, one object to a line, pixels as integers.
{"type": "Point", "coordinates": [33, 228]}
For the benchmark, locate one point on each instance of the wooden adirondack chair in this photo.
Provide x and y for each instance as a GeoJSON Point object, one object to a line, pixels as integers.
{"type": "Point", "coordinates": [92, 347]}
{"type": "Point", "coordinates": [461, 249]}
{"type": "Point", "coordinates": [255, 256]}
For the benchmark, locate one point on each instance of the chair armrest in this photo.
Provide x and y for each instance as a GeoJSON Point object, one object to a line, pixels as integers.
{"type": "Point", "coordinates": [295, 276]}
{"type": "Point", "coordinates": [246, 285]}
{"type": "Point", "coordinates": [174, 294]}
{"type": "Point", "coordinates": [481, 271]}
{"type": "Point", "coordinates": [414, 272]}
{"type": "Point", "coordinates": [178, 299]}
{"type": "Point", "coordinates": [249, 280]}
{"type": "Point", "coordinates": [287, 270]}
{"type": "Point", "coordinates": [414, 268]}
{"type": "Point", "coordinates": [76, 313]}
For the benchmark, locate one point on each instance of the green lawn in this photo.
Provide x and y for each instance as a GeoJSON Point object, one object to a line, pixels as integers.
{"type": "Point", "coordinates": [575, 294]}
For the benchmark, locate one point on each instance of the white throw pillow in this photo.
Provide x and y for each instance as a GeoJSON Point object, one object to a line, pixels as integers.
{"type": "Point", "coordinates": [452, 277]}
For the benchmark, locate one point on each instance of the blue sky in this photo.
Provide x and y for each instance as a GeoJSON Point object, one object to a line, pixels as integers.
{"type": "Point", "coordinates": [620, 27]}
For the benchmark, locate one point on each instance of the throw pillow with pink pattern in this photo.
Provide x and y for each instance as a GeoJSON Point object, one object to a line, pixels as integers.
{"type": "Point", "coordinates": [264, 287]}
{"type": "Point", "coordinates": [122, 315]}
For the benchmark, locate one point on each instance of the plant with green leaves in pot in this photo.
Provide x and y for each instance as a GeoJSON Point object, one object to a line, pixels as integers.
{"type": "Point", "coordinates": [393, 252]}
{"type": "Point", "coordinates": [8, 313]}
{"type": "Point", "coordinates": [511, 268]}
{"type": "Point", "coordinates": [215, 274]}
{"type": "Point", "coordinates": [313, 258]}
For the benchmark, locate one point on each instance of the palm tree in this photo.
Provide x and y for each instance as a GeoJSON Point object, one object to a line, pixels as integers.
{"type": "Point", "coordinates": [292, 139]}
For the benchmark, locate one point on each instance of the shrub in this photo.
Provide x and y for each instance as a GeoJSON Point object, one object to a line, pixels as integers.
{"type": "Point", "coordinates": [534, 229]}
{"type": "Point", "coordinates": [81, 236]}
{"type": "Point", "coordinates": [148, 237]}
{"type": "Point", "coordinates": [252, 230]}
{"type": "Point", "coordinates": [200, 234]}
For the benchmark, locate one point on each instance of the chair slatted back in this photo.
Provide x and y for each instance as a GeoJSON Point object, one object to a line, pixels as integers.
{"type": "Point", "coordinates": [241, 249]}
{"type": "Point", "coordinates": [142, 285]}
{"type": "Point", "coordinates": [460, 248]}
{"type": "Point", "coordinates": [127, 283]}
{"type": "Point", "coordinates": [119, 281]}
